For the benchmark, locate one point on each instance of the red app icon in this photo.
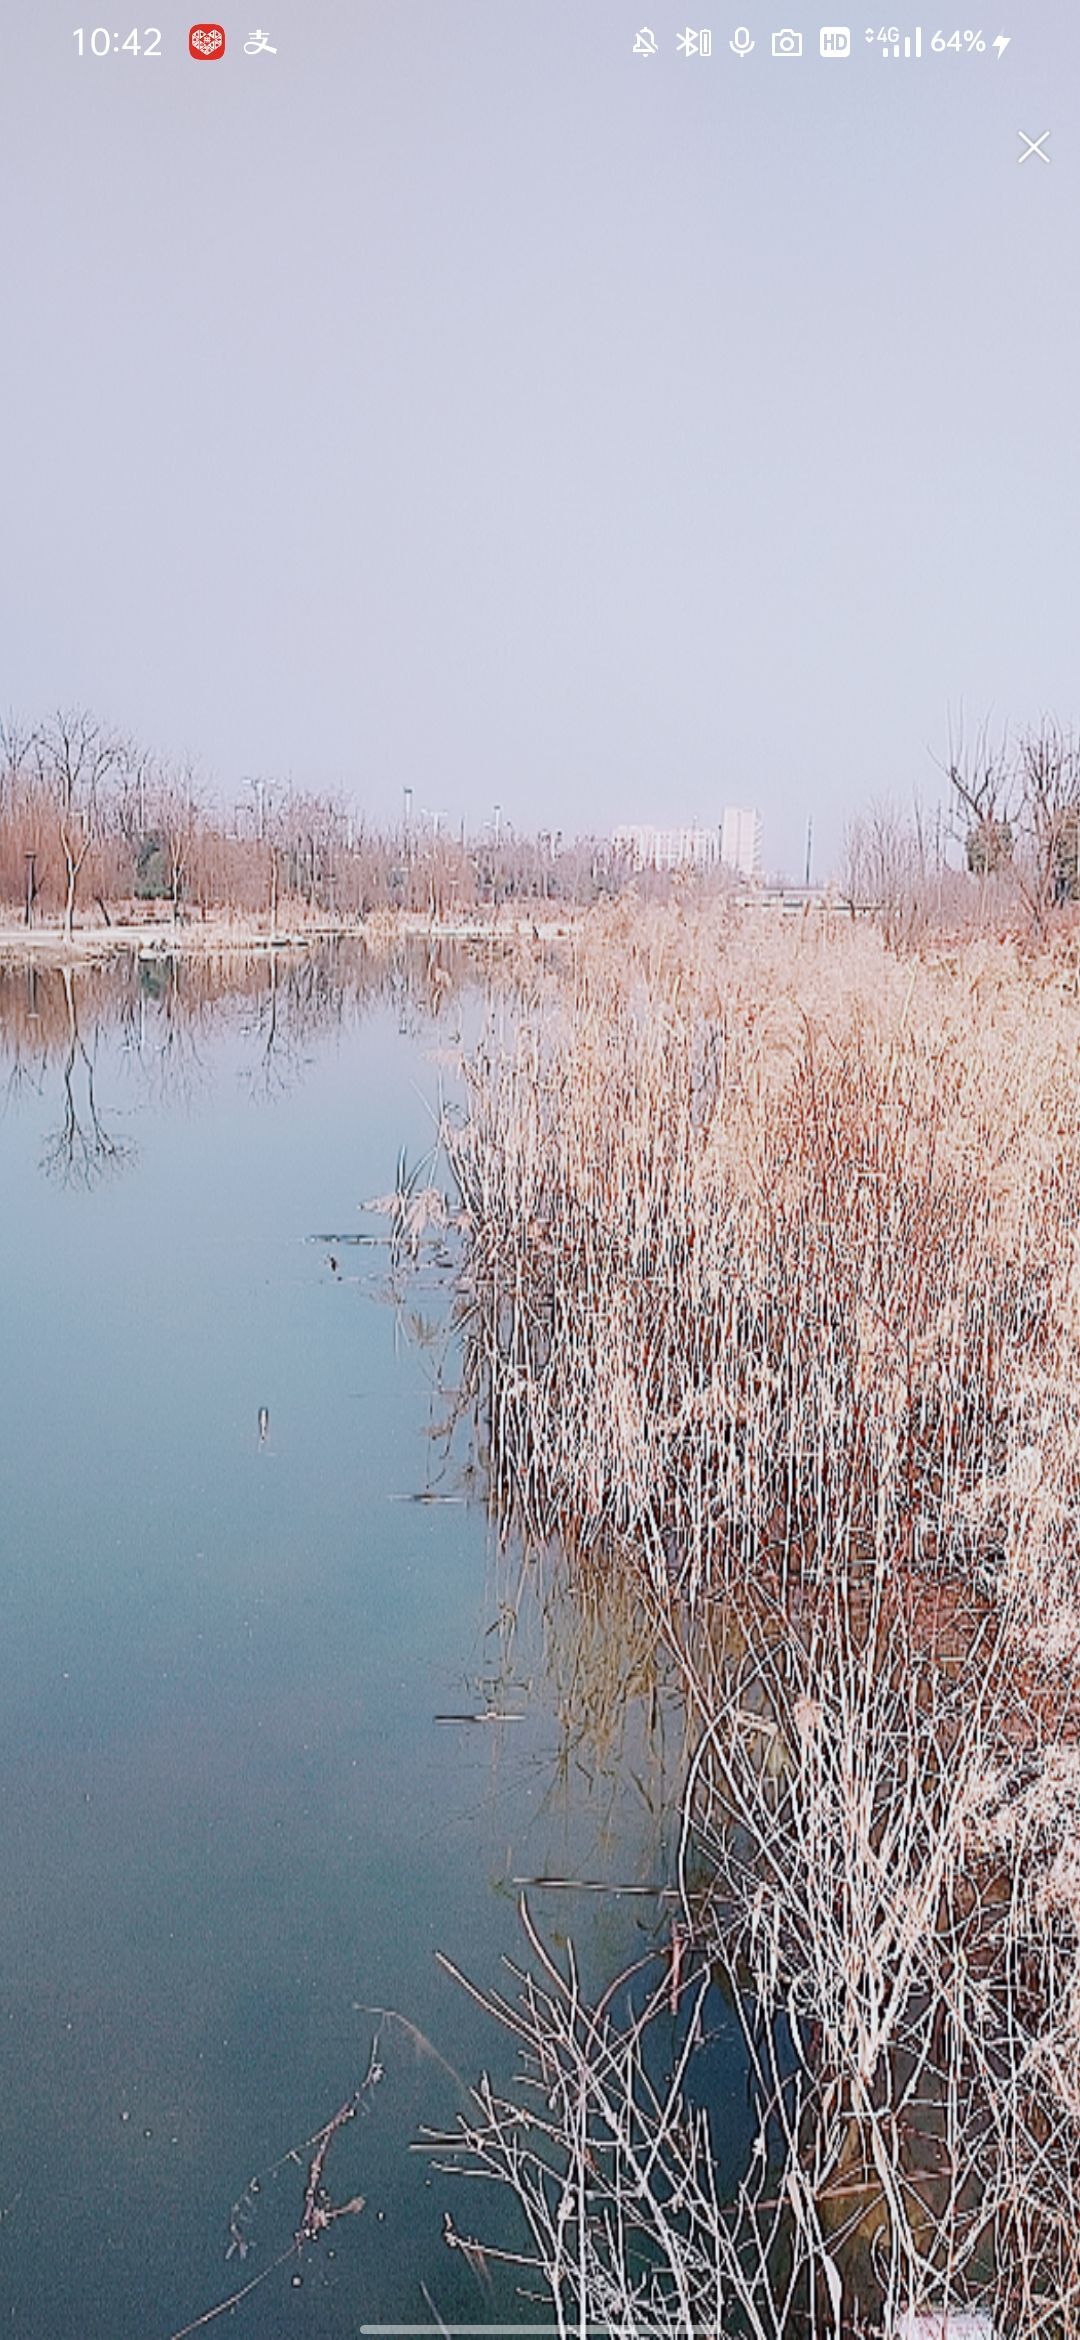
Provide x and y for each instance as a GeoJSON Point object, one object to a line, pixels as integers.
{"type": "Point", "coordinates": [206, 42]}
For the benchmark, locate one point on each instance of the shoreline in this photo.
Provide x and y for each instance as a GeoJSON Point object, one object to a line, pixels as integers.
{"type": "Point", "coordinates": [249, 938]}
{"type": "Point", "coordinates": [223, 936]}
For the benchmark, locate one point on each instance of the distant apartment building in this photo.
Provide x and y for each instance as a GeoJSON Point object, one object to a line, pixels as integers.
{"type": "Point", "coordinates": [736, 843]}
{"type": "Point", "coordinates": [740, 840]}
{"type": "Point", "coordinates": [668, 848]}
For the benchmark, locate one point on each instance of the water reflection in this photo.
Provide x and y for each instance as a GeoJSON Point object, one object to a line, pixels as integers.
{"type": "Point", "coordinates": [166, 1010]}
{"type": "Point", "coordinates": [168, 1015]}
{"type": "Point", "coordinates": [81, 1150]}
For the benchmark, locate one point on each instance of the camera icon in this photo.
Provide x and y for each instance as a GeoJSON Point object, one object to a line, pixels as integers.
{"type": "Point", "coordinates": [787, 43]}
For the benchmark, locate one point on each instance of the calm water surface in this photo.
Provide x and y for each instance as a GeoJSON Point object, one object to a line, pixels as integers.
{"type": "Point", "coordinates": [229, 1820]}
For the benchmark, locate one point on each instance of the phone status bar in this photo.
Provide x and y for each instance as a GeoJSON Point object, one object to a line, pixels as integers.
{"type": "Point", "coordinates": [209, 43]}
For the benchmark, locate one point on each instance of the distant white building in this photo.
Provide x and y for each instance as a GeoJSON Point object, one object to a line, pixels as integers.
{"type": "Point", "coordinates": [736, 843]}
{"type": "Point", "coordinates": [668, 848]}
{"type": "Point", "coordinates": [740, 840]}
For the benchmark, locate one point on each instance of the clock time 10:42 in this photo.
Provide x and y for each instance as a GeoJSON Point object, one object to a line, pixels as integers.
{"type": "Point", "coordinates": [102, 43]}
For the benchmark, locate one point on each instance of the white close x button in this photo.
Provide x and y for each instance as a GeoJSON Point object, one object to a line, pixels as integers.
{"type": "Point", "coordinates": [1033, 146]}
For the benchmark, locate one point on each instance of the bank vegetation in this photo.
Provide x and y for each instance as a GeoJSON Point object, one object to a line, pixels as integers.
{"type": "Point", "coordinates": [770, 1305]}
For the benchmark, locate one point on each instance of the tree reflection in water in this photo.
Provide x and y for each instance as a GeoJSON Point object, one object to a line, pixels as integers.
{"type": "Point", "coordinates": [81, 1150]}
{"type": "Point", "coordinates": [166, 1012]}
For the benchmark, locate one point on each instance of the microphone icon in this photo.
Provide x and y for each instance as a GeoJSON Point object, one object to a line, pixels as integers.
{"type": "Point", "coordinates": [743, 41]}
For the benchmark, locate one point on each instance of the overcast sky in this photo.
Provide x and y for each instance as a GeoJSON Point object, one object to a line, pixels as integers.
{"type": "Point", "coordinates": [457, 400]}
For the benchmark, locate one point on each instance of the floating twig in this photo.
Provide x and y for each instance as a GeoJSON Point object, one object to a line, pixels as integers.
{"type": "Point", "coordinates": [427, 1495]}
{"type": "Point", "coordinates": [595, 1885]}
{"type": "Point", "coordinates": [490, 1716]}
{"type": "Point", "coordinates": [234, 2298]}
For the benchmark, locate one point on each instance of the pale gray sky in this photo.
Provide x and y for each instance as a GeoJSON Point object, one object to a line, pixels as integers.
{"type": "Point", "coordinates": [457, 400]}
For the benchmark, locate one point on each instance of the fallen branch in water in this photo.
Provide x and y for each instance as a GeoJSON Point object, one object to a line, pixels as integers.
{"type": "Point", "coordinates": [318, 2211]}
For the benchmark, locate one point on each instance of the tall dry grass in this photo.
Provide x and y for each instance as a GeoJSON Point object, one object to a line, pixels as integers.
{"type": "Point", "coordinates": [879, 1870]}
{"type": "Point", "coordinates": [771, 1294]}
{"type": "Point", "coordinates": [774, 1250]}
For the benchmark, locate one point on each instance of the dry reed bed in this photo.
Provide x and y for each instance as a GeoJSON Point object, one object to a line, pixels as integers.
{"type": "Point", "coordinates": [772, 1287]}
{"type": "Point", "coordinates": [887, 1838]}
{"type": "Point", "coordinates": [879, 1884]}
{"type": "Point", "coordinates": [774, 1245]}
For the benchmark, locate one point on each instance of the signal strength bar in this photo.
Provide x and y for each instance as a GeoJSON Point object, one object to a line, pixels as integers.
{"type": "Point", "coordinates": [911, 46]}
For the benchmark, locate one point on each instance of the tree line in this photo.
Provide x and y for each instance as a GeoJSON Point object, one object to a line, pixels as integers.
{"type": "Point", "coordinates": [93, 823]}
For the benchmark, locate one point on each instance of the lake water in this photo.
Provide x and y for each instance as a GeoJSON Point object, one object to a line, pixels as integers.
{"type": "Point", "coordinates": [229, 1819]}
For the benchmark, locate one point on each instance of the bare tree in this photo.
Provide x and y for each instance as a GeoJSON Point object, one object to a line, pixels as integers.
{"type": "Point", "coordinates": [1017, 803]}
{"type": "Point", "coordinates": [983, 780]}
{"type": "Point", "coordinates": [16, 743]}
{"type": "Point", "coordinates": [889, 868]}
{"type": "Point", "coordinates": [134, 785]}
{"type": "Point", "coordinates": [176, 818]}
{"type": "Point", "coordinates": [1048, 764]}
{"type": "Point", "coordinates": [76, 759]}
{"type": "Point", "coordinates": [20, 816]}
